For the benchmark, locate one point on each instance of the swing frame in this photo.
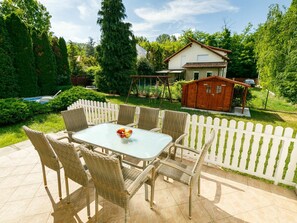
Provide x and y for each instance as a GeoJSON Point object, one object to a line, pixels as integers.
{"type": "Point", "coordinates": [164, 80]}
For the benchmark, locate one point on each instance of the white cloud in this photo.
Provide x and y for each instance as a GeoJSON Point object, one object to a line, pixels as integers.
{"type": "Point", "coordinates": [177, 10]}
{"type": "Point", "coordinates": [72, 31]}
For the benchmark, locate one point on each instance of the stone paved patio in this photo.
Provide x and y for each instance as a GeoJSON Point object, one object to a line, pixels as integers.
{"type": "Point", "coordinates": [225, 197]}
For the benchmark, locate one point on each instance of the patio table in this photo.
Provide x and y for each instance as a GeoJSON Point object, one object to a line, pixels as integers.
{"type": "Point", "coordinates": [143, 144]}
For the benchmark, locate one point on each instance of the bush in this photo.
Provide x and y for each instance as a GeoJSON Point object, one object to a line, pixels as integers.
{"type": "Point", "coordinates": [66, 98]}
{"type": "Point", "coordinates": [176, 90]}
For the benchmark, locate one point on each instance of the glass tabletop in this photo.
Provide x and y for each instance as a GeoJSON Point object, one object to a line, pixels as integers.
{"type": "Point", "coordinates": [142, 144]}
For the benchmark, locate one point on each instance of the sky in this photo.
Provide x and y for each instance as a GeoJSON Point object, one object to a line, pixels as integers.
{"type": "Point", "coordinates": [76, 20]}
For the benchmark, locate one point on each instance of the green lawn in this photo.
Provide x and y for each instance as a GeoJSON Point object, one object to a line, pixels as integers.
{"type": "Point", "coordinates": [54, 122]}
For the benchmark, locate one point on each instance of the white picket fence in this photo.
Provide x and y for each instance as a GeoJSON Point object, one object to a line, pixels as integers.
{"type": "Point", "coordinates": [263, 151]}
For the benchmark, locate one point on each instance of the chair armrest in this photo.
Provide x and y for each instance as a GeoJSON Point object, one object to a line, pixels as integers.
{"type": "Point", "coordinates": [155, 129]}
{"type": "Point", "coordinates": [131, 124]}
{"type": "Point", "coordinates": [180, 138]}
{"type": "Point", "coordinates": [187, 148]}
{"type": "Point", "coordinates": [111, 121]}
{"type": "Point", "coordinates": [63, 137]}
{"type": "Point", "coordinates": [140, 179]}
{"type": "Point", "coordinates": [172, 165]}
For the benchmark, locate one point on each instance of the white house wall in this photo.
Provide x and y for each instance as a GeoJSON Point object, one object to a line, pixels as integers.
{"type": "Point", "coordinates": [190, 54]}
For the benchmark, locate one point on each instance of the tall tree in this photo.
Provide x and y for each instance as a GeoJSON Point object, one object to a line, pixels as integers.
{"type": "Point", "coordinates": [24, 57]}
{"type": "Point", "coordinates": [31, 12]}
{"type": "Point", "coordinates": [117, 51]}
{"type": "Point", "coordinates": [64, 70]}
{"type": "Point", "coordinates": [8, 78]}
{"type": "Point", "coordinates": [90, 47]}
{"type": "Point", "coordinates": [45, 63]}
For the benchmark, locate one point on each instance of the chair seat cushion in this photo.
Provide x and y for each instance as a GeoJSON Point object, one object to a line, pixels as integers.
{"type": "Point", "coordinates": [176, 174]}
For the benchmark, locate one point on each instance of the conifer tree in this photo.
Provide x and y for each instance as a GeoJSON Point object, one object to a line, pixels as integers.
{"type": "Point", "coordinates": [8, 78]}
{"type": "Point", "coordinates": [45, 63]}
{"type": "Point", "coordinates": [64, 70]}
{"type": "Point", "coordinates": [23, 56]}
{"type": "Point", "coordinates": [117, 52]}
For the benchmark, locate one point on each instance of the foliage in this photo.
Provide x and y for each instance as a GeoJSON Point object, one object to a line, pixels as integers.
{"type": "Point", "coordinates": [73, 55]}
{"type": "Point", "coordinates": [91, 72]}
{"type": "Point", "coordinates": [63, 70]}
{"type": "Point", "coordinates": [15, 110]}
{"type": "Point", "coordinates": [117, 51]}
{"type": "Point", "coordinates": [24, 57]}
{"type": "Point", "coordinates": [45, 63]}
{"type": "Point", "coordinates": [66, 98]}
{"type": "Point", "coordinates": [90, 47]}
{"type": "Point", "coordinates": [31, 12]}
{"type": "Point", "coordinates": [144, 67]}
{"type": "Point", "coordinates": [8, 78]}
{"type": "Point", "coordinates": [276, 51]}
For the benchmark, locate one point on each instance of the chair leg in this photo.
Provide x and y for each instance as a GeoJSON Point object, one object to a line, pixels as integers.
{"type": "Point", "coordinates": [67, 189]}
{"type": "Point", "coordinates": [198, 186]}
{"type": "Point", "coordinates": [44, 175]}
{"type": "Point", "coordinates": [146, 192]}
{"type": "Point", "coordinates": [88, 202]}
{"type": "Point", "coordinates": [96, 202]}
{"type": "Point", "coordinates": [59, 184]}
{"type": "Point", "coordinates": [152, 195]}
{"type": "Point", "coordinates": [190, 202]}
{"type": "Point", "coordinates": [126, 214]}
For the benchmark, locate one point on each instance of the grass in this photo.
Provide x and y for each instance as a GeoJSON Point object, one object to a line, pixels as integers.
{"type": "Point", "coordinates": [46, 123]}
{"type": "Point", "coordinates": [286, 117]}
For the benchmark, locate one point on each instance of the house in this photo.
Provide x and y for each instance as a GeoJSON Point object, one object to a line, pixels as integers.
{"type": "Point", "coordinates": [211, 93]}
{"type": "Point", "coordinates": [196, 61]}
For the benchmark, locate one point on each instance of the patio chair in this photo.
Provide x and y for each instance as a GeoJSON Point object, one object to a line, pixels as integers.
{"type": "Point", "coordinates": [114, 182]}
{"type": "Point", "coordinates": [148, 118]}
{"type": "Point", "coordinates": [185, 173]}
{"type": "Point", "coordinates": [174, 124]}
{"type": "Point", "coordinates": [75, 120]}
{"type": "Point", "coordinates": [73, 168]}
{"type": "Point", "coordinates": [126, 115]}
{"type": "Point", "coordinates": [46, 154]}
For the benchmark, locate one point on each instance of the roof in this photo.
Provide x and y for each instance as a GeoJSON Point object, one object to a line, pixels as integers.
{"type": "Point", "coordinates": [176, 71]}
{"type": "Point", "coordinates": [223, 79]}
{"type": "Point", "coordinates": [210, 48]}
{"type": "Point", "coordinates": [205, 64]}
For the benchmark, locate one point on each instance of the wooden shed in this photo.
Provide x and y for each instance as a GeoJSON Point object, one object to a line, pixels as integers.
{"type": "Point", "coordinates": [211, 93]}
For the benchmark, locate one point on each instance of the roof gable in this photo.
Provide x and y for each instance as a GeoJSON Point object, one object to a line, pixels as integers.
{"type": "Point", "coordinates": [210, 48]}
{"type": "Point", "coordinates": [223, 79]}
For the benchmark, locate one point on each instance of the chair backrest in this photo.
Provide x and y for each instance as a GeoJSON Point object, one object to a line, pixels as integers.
{"type": "Point", "coordinates": [199, 162]}
{"type": "Point", "coordinates": [107, 176]}
{"type": "Point", "coordinates": [44, 149]}
{"type": "Point", "coordinates": [69, 158]}
{"type": "Point", "coordinates": [126, 114]}
{"type": "Point", "coordinates": [148, 118]}
{"type": "Point", "coordinates": [174, 123]}
{"type": "Point", "coordinates": [75, 119]}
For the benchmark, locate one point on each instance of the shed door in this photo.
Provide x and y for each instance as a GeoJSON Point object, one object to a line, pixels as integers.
{"type": "Point", "coordinates": [211, 95]}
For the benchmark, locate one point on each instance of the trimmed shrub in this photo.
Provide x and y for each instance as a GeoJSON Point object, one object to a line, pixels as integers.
{"type": "Point", "coordinates": [238, 94]}
{"type": "Point", "coordinates": [66, 98]}
{"type": "Point", "coordinates": [16, 110]}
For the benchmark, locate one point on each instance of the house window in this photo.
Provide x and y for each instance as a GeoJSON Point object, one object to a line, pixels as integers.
{"type": "Point", "coordinates": [196, 75]}
{"type": "Point", "coordinates": [209, 73]}
{"type": "Point", "coordinates": [202, 57]}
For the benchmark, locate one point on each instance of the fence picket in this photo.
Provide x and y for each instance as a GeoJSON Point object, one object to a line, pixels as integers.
{"type": "Point", "coordinates": [222, 140]}
{"type": "Point", "coordinates": [255, 148]}
{"type": "Point", "coordinates": [230, 140]}
{"type": "Point", "coordinates": [292, 164]}
{"type": "Point", "coordinates": [264, 149]}
{"type": "Point", "coordinates": [283, 155]}
{"type": "Point", "coordinates": [246, 146]}
{"type": "Point", "coordinates": [238, 144]}
{"type": "Point", "coordinates": [276, 142]}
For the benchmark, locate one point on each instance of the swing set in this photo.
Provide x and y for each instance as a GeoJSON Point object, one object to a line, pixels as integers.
{"type": "Point", "coordinates": [136, 83]}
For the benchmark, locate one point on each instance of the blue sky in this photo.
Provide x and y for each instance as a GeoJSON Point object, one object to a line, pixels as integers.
{"type": "Point", "coordinates": [76, 19]}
